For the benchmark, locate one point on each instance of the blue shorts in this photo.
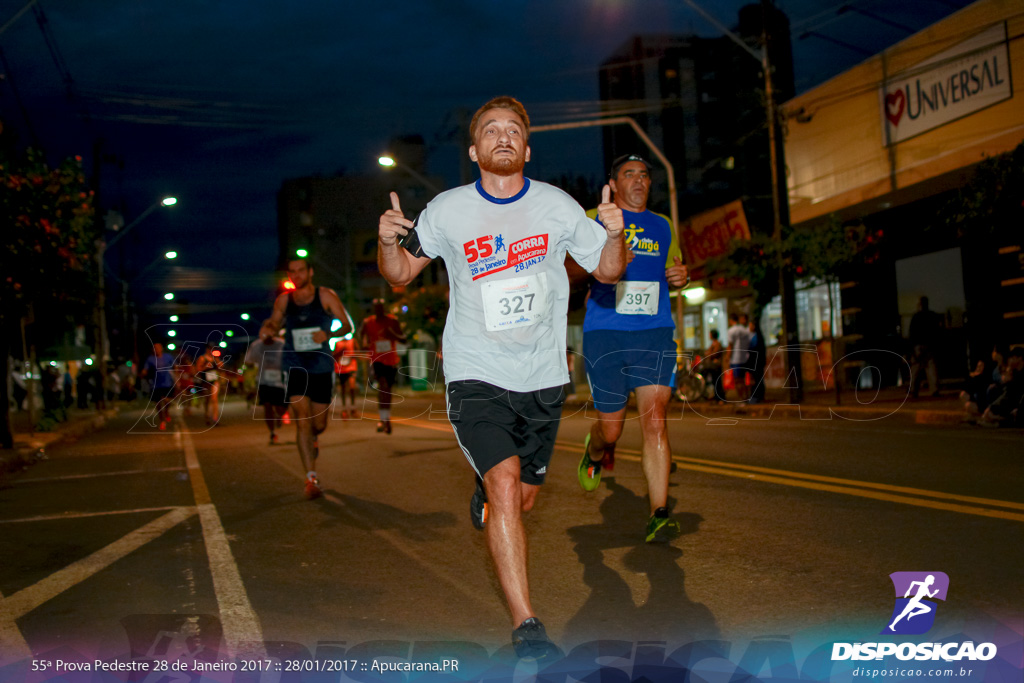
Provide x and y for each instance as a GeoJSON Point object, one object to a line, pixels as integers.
{"type": "Point", "coordinates": [739, 374]}
{"type": "Point", "coordinates": [618, 362]}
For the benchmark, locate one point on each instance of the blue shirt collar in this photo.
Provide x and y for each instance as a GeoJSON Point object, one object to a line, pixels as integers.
{"type": "Point", "coordinates": [495, 200]}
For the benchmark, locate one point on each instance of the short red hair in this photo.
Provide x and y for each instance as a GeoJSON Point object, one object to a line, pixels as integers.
{"type": "Point", "coordinates": [502, 102]}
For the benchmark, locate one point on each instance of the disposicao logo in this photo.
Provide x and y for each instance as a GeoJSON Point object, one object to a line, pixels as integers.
{"type": "Point", "coordinates": [914, 612]}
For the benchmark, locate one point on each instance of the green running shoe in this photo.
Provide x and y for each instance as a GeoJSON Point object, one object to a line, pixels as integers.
{"type": "Point", "coordinates": [661, 528]}
{"type": "Point", "coordinates": [530, 641]}
{"type": "Point", "coordinates": [589, 471]}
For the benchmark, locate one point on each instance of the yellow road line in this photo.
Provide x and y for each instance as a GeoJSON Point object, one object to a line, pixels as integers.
{"type": "Point", "coordinates": [852, 487]}
{"type": "Point", "coordinates": [863, 489]}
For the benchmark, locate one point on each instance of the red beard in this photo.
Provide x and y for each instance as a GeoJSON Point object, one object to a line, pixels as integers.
{"type": "Point", "coordinates": [502, 166]}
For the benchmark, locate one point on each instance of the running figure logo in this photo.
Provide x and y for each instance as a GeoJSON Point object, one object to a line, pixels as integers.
{"type": "Point", "coordinates": [915, 614]}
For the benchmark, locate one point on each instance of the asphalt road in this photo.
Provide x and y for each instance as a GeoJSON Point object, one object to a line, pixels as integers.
{"type": "Point", "coordinates": [157, 543]}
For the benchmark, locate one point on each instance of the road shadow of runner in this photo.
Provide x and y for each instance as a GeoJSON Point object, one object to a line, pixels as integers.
{"type": "Point", "coordinates": [370, 515]}
{"type": "Point", "coordinates": [666, 613]}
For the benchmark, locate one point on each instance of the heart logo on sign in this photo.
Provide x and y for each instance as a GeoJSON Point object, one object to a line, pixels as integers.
{"type": "Point", "coordinates": [895, 103]}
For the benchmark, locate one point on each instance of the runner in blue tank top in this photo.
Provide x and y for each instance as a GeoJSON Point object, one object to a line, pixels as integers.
{"type": "Point", "coordinates": [306, 314]}
{"type": "Point", "coordinates": [628, 343]}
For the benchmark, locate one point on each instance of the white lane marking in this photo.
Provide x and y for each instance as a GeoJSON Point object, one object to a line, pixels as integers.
{"type": "Point", "coordinates": [13, 647]}
{"type": "Point", "coordinates": [242, 631]}
{"type": "Point", "coordinates": [27, 599]}
{"type": "Point", "coordinates": [79, 515]}
{"type": "Point", "coordinates": [121, 473]}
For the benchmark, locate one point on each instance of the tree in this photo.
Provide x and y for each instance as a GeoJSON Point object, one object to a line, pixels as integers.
{"type": "Point", "coordinates": [427, 310]}
{"type": "Point", "coordinates": [818, 254]}
{"type": "Point", "coordinates": [993, 197]}
{"type": "Point", "coordinates": [48, 256]}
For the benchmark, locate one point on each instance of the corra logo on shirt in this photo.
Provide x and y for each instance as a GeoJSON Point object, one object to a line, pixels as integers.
{"type": "Point", "coordinates": [483, 258]}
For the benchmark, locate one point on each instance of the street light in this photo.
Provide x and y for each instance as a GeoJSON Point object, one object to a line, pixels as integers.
{"type": "Point", "coordinates": [169, 296]}
{"type": "Point", "coordinates": [165, 202]}
{"type": "Point", "coordinates": [389, 161]}
{"type": "Point", "coordinates": [101, 297]}
{"type": "Point", "coordinates": [171, 255]}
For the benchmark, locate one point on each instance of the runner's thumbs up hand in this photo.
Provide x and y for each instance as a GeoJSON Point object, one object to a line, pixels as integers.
{"type": "Point", "coordinates": [393, 224]}
{"type": "Point", "coordinates": [610, 213]}
{"type": "Point", "coordinates": [677, 275]}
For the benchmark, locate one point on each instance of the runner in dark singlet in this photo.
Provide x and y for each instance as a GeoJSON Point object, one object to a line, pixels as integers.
{"type": "Point", "coordinates": [306, 314]}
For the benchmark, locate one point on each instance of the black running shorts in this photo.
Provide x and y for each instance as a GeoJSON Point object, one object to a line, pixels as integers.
{"type": "Point", "coordinates": [271, 396]}
{"type": "Point", "coordinates": [318, 386]}
{"type": "Point", "coordinates": [385, 372]}
{"type": "Point", "coordinates": [493, 424]}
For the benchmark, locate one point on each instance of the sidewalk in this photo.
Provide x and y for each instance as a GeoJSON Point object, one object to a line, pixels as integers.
{"type": "Point", "coordinates": [863, 405]}
{"type": "Point", "coordinates": [28, 447]}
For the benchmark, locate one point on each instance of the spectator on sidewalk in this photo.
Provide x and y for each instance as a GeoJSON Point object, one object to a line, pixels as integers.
{"type": "Point", "coordinates": [711, 366]}
{"type": "Point", "coordinates": [757, 361]}
{"type": "Point", "coordinates": [738, 337]}
{"type": "Point", "coordinates": [51, 390]}
{"type": "Point", "coordinates": [69, 389]}
{"type": "Point", "coordinates": [1004, 410]}
{"type": "Point", "coordinates": [19, 391]}
{"type": "Point", "coordinates": [925, 330]}
{"type": "Point", "coordinates": [983, 381]}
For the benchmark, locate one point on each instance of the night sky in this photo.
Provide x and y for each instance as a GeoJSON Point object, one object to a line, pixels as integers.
{"type": "Point", "coordinates": [218, 102]}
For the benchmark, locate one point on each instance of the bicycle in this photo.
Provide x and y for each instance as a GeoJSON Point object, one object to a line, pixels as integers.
{"type": "Point", "coordinates": [690, 384]}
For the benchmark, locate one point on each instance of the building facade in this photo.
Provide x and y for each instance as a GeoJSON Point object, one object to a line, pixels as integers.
{"type": "Point", "coordinates": [891, 144]}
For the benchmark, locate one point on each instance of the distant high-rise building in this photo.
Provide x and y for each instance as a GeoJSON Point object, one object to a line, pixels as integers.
{"type": "Point", "coordinates": [335, 219]}
{"type": "Point", "coordinates": [701, 100]}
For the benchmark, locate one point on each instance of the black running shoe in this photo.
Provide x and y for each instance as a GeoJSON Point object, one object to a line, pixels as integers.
{"type": "Point", "coordinates": [530, 640]}
{"type": "Point", "coordinates": [478, 505]}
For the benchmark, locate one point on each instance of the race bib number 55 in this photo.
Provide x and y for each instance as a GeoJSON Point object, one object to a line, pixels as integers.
{"type": "Point", "coordinates": [302, 339]}
{"type": "Point", "coordinates": [516, 302]}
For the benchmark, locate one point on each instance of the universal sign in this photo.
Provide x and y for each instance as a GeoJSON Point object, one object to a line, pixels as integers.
{"type": "Point", "coordinates": [957, 82]}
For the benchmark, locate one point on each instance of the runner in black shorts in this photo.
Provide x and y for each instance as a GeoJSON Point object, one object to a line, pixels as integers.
{"type": "Point", "coordinates": [380, 335]}
{"type": "Point", "coordinates": [504, 240]}
{"type": "Point", "coordinates": [493, 424]}
{"type": "Point", "coordinates": [267, 356]}
{"type": "Point", "coordinates": [307, 314]}
{"type": "Point", "coordinates": [345, 366]}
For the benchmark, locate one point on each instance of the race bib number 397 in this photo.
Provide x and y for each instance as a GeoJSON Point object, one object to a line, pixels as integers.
{"type": "Point", "coordinates": [636, 297]}
{"type": "Point", "coordinates": [516, 302]}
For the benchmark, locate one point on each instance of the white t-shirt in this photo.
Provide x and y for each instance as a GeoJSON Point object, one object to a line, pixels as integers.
{"type": "Point", "coordinates": [268, 357]}
{"type": "Point", "coordinates": [509, 289]}
{"type": "Point", "coordinates": [739, 339]}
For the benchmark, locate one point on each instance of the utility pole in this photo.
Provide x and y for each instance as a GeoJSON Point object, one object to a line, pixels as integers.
{"type": "Point", "coordinates": [780, 203]}
{"type": "Point", "coordinates": [788, 339]}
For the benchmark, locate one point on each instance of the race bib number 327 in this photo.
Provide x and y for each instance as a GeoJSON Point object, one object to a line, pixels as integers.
{"type": "Point", "coordinates": [515, 302]}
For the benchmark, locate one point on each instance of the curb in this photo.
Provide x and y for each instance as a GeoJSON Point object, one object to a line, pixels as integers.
{"type": "Point", "coordinates": [28, 453]}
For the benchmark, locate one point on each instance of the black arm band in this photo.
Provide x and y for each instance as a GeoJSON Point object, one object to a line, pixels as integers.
{"type": "Point", "coordinates": [411, 241]}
